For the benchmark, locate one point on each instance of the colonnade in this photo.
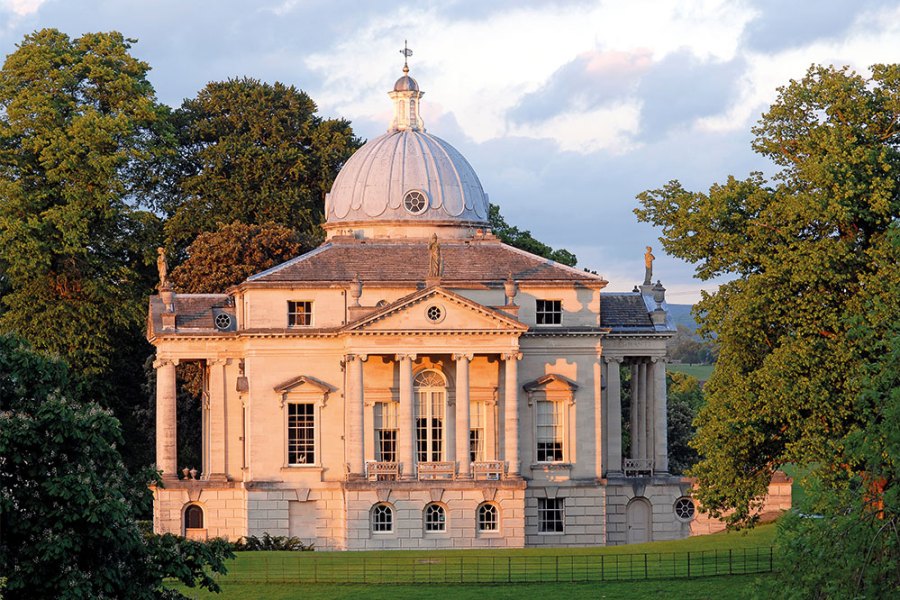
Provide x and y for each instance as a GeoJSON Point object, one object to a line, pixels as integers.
{"type": "Point", "coordinates": [457, 424]}
{"type": "Point", "coordinates": [649, 443]}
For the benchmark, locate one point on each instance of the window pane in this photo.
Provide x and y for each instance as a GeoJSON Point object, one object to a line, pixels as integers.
{"type": "Point", "coordinates": [299, 313]}
{"type": "Point", "coordinates": [550, 515]}
{"type": "Point", "coordinates": [488, 518]}
{"type": "Point", "coordinates": [386, 431]}
{"type": "Point", "coordinates": [382, 518]}
{"type": "Point", "coordinates": [301, 434]}
{"type": "Point", "coordinates": [548, 312]}
{"type": "Point", "coordinates": [435, 518]}
{"type": "Point", "coordinates": [550, 431]}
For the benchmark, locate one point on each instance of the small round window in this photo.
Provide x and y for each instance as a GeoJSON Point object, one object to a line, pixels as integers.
{"type": "Point", "coordinates": [415, 202]}
{"type": "Point", "coordinates": [434, 313]}
{"type": "Point", "coordinates": [223, 321]}
{"type": "Point", "coordinates": [685, 509]}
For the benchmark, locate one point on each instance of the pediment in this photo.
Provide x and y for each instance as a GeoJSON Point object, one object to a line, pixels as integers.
{"type": "Point", "coordinates": [553, 387]}
{"type": "Point", "coordinates": [436, 310]}
{"type": "Point", "coordinates": [304, 383]}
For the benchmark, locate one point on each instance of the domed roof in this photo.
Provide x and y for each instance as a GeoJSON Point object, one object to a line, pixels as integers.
{"type": "Point", "coordinates": [380, 180]}
{"type": "Point", "coordinates": [406, 84]}
{"type": "Point", "coordinates": [406, 177]}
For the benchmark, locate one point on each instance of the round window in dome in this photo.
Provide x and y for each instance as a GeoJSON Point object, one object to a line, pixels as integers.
{"type": "Point", "coordinates": [415, 202]}
{"type": "Point", "coordinates": [685, 509]}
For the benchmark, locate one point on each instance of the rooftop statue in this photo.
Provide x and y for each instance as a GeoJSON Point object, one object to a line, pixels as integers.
{"type": "Point", "coordinates": [648, 266]}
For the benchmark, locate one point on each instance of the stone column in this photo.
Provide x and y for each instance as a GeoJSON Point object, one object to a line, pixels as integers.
{"type": "Point", "coordinates": [166, 419]}
{"type": "Point", "coordinates": [661, 458]}
{"type": "Point", "coordinates": [613, 416]}
{"type": "Point", "coordinates": [462, 417]}
{"type": "Point", "coordinates": [406, 444]}
{"type": "Point", "coordinates": [217, 461]}
{"type": "Point", "coordinates": [355, 442]}
{"type": "Point", "coordinates": [635, 392]}
{"type": "Point", "coordinates": [643, 414]}
{"type": "Point", "coordinates": [511, 412]}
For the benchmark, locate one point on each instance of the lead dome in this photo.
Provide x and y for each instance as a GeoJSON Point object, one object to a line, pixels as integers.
{"type": "Point", "coordinates": [404, 179]}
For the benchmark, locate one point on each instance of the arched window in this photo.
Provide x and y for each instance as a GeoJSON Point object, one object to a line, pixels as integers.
{"type": "Point", "coordinates": [193, 517]}
{"type": "Point", "coordinates": [431, 396]}
{"type": "Point", "coordinates": [488, 517]}
{"type": "Point", "coordinates": [435, 518]}
{"type": "Point", "coordinates": [382, 518]}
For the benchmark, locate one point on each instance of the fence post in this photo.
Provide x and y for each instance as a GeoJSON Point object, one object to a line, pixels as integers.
{"type": "Point", "coordinates": [645, 565]}
{"type": "Point", "coordinates": [602, 567]}
{"type": "Point", "coordinates": [730, 556]}
{"type": "Point", "coordinates": [770, 559]}
{"type": "Point", "coordinates": [508, 569]}
{"type": "Point", "coordinates": [689, 564]}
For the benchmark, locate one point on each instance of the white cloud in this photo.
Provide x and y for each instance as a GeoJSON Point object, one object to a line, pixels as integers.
{"type": "Point", "coordinates": [874, 37]}
{"type": "Point", "coordinates": [483, 68]}
{"type": "Point", "coordinates": [21, 8]}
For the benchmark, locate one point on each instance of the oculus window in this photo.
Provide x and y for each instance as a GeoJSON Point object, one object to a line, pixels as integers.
{"type": "Point", "coordinates": [415, 202]}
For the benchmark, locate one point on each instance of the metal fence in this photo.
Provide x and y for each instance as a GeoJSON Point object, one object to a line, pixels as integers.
{"type": "Point", "coordinates": [468, 568]}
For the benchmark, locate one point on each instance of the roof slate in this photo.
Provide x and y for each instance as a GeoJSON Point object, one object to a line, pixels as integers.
{"type": "Point", "coordinates": [624, 312]}
{"type": "Point", "coordinates": [407, 261]}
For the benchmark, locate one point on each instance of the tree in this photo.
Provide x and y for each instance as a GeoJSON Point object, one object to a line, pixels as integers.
{"type": "Point", "coordinates": [252, 152]}
{"type": "Point", "coordinates": [220, 259]}
{"type": "Point", "coordinates": [523, 240]}
{"type": "Point", "coordinates": [688, 347]}
{"type": "Point", "coordinates": [75, 119]}
{"type": "Point", "coordinates": [685, 399]}
{"type": "Point", "coordinates": [799, 249]}
{"type": "Point", "coordinates": [67, 503]}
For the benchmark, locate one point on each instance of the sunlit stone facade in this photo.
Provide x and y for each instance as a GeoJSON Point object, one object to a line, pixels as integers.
{"type": "Point", "coordinates": [415, 383]}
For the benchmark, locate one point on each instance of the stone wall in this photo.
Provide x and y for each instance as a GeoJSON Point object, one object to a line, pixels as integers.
{"type": "Point", "coordinates": [224, 509]}
{"type": "Point", "coordinates": [584, 513]}
{"type": "Point", "coordinates": [660, 492]}
{"type": "Point", "coordinates": [460, 501]}
{"type": "Point", "coordinates": [776, 502]}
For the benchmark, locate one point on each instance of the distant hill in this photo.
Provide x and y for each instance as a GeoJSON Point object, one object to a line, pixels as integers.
{"type": "Point", "coordinates": [681, 314]}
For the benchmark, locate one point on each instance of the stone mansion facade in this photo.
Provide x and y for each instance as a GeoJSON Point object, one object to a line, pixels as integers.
{"type": "Point", "coordinates": [416, 383]}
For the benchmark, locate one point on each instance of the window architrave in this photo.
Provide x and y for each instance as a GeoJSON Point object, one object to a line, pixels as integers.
{"type": "Point", "coordinates": [553, 388]}
{"type": "Point", "coordinates": [303, 390]}
{"type": "Point", "coordinates": [481, 522]}
{"type": "Point", "coordinates": [375, 521]}
{"type": "Point", "coordinates": [191, 507]}
{"type": "Point", "coordinates": [444, 519]}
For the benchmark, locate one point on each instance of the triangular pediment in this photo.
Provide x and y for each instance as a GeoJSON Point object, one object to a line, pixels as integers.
{"type": "Point", "coordinates": [436, 310]}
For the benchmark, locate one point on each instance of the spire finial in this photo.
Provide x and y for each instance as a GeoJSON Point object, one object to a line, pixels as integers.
{"type": "Point", "coordinates": [406, 52]}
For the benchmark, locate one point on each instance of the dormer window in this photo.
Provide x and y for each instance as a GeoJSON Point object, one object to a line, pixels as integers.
{"type": "Point", "coordinates": [299, 313]}
{"type": "Point", "coordinates": [548, 312]}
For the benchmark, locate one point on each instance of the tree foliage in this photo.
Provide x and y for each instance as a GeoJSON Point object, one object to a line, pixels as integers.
{"type": "Point", "coordinates": [217, 260]}
{"type": "Point", "coordinates": [67, 503]}
{"type": "Point", "coordinates": [800, 250]}
{"type": "Point", "coordinates": [75, 124]}
{"type": "Point", "coordinates": [685, 399]}
{"type": "Point", "coordinates": [523, 240]}
{"type": "Point", "coordinates": [688, 347]}
{"type": "Point", "coordinates": [252, 152]}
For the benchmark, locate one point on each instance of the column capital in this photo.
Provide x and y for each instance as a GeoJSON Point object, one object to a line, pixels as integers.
{"type": "Point", "coordinates": [511, 355]}
{"type": "Point", "coordinates": [360, 357]}
{"type": "Point", "coordinates": [164, 362]}
{"type": "Point", "coordinates": [463, 356]}
{"type": "Point", "coordinates": [656, 359]}
{"type": "Point", "coordinates": [401, 357]}
{"type": "Point", "coordinates": [613, 359]}
{"type": "Point", "coordinates": [218, 361]}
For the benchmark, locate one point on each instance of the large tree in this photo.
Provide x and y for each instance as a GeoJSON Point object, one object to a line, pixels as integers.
{"type": "Point", "coordinates": [75, 121]}
{"type": "Point", "coordinates": [68, 505]}
{"type": "Point", "coordinates": [798, 250]}
{"type": "Point", "coordinates": [79, 129]}
{"type": "Point", "coordinates": [252, 152]}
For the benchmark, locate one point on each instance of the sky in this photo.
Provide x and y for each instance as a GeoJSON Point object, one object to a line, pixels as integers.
{"type": "Point", "coordinates": [566, 109]}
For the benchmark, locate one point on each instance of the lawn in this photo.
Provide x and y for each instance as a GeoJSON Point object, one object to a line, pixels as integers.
{"type": "Point", "coordinates": [275, 574]}
{"type": "Point", "coordinates": [701, 372]}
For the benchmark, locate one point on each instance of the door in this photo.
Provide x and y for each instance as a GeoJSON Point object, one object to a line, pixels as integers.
{"type": "Point", "coordinates": [637, 516]}
{"type": "Point", "coordinates": [431, 395]}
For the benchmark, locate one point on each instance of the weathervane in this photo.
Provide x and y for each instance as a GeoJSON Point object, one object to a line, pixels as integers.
{"type": "Point", "coordinates": [406, 52]}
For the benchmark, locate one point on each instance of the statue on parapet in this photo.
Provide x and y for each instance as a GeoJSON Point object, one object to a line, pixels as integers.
{"type": "Point", "coordinates": [435, 262]}
{"type": "Point", "coordinates": [648, 266]}
{"type": "Point", "coordinates": [163, 267]}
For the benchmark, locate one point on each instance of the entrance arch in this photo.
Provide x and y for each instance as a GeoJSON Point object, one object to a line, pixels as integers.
{"type": "Point", "coordinates": [431, 398]}
{"type": "Point", "coordinates": [638, 518]}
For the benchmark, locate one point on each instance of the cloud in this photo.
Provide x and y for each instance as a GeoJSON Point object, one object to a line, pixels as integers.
{"type": "Point", "coordinates": [680, 89]}
{"type": "Point", "coordinates": [21, 8]}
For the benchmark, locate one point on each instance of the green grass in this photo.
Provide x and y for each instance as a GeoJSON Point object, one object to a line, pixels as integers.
{"type": "Point", "coordinates": [701, 372]}
{"type": "Point", "coordinates": [276, 574]}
